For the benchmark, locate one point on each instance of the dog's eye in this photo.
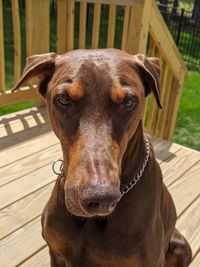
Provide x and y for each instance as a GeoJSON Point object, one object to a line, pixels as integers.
{"type": "Point", "coordinates": [69, 80]}
{"type": "Point", "coordinates": [124, 82]}
{"type": "Point", "coordinates": [130, 103]}
{"type": "Point", "coordinates": [62, 100]}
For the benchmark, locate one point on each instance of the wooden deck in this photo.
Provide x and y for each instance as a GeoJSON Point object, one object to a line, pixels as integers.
{"type": "Point", "coordinates": [28, 148]}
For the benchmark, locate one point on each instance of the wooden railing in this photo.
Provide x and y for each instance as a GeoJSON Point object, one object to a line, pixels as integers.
{"type": "Point", "coordinates": [143, 30]}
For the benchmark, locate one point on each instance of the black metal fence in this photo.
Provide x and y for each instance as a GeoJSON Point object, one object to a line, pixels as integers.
{"type": "Point", "coordinates": [185, 30]}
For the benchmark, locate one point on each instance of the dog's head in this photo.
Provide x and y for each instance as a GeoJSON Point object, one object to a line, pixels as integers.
{"type": "Point", "coordinates": [95, 100]}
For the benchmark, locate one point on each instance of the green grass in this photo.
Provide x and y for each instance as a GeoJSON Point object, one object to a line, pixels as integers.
{"type": "Point", "coordinates": [187, 4]}
{"type": "Point", "coordinates": [187, 131]}
{"type": "Point", "coordinates": [16, 107]}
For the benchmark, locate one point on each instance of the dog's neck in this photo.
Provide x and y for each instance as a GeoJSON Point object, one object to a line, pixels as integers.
{"type": "Point", "coordinates": [134, 156]}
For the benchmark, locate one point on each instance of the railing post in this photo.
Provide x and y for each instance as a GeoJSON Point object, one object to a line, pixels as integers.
{"type": "Point", "coordinates": [2, 56]}
{"type": "Point", "coordinates": [138, 27]}
{"type": "Point", "coordinates": [37, 26]}
{"type": "Point", "coordinates": [70, 24]}
{"type": "Point", "coordinates": [17, 40]}
{"type": "Point", "coordinates": [61, 26]}
{"type": "Point", "coordinates": [82, 24]}
{"type": "Point", "coordinates": [96, 25]}
{"type": "Point", "coordinates": [111, 26]}
{"type": "Point", "coordinates": [174, 98]}
{"type": "Point", "coordinates": [37, 30]}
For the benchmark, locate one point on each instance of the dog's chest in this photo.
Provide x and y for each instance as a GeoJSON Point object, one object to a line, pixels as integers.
{"type": "Point", "coordinates": [92, 244]}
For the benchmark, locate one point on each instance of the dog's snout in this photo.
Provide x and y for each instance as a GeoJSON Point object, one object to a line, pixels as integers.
{"type": "Point", "coordinates": [99, 200]}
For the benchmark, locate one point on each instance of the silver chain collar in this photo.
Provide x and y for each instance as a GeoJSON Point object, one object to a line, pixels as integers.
{"type": "Point", "coordinates": [139, 174]}
{"type": "Point", "coordinates": [133, 182]}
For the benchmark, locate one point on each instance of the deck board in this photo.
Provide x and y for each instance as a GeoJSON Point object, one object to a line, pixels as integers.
{"type": "Point", "coordinates": [165, 151]}
{"type": "Point", "coordinates": [18, 214]}
{"type": "Point", "coordinates": [26, 181]}
{"type": "Point", "coordinates": [26, 185]}
{"type": "Point", "coordinates": [24, 149]}
{"type": "Point", "coordinates": [21, 244]}
{"type": "Point", "coordinates": [175, 168]}
{"type": "Point", "coordinates": [40, 259]}
{"type": "Point", "coordinates": [195, 262]}
{"type": "Point", "coordinates": [185, 190]}
{"type": "Point", "coordinates": [29, 164]}
{"type": "Point", "coordinates": [189, 225]}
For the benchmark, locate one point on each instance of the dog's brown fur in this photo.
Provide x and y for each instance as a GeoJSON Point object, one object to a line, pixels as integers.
{"type": "Point", "coordinates": [95, 100]}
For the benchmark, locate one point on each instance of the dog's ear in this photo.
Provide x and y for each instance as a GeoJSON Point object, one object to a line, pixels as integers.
{"type": "Point", "coordinates": [149, 71]}
{"type": "Point", "coordinates": [40, 66]}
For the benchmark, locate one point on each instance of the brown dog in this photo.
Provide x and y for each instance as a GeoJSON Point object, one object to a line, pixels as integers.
{"type": "Point", "coordinates": [109, 207]}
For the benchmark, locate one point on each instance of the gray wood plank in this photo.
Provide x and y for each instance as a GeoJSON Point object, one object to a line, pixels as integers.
{"type": "Point", "coordinates": [25, 185]}
{"type": "Point", "coordinates": [185, 190]}
{"type": "Point", "coordinates": [26, 209]}
{"type": "Point", "coordinates": [21, 244]}
{"type": "Point", "coordinates": [30, 163]}
{"type": "Point", "coordinates": [189, 225]}
{"type": "Point", "coordinates": [196, 261]}
{"type": "Point", "coordinates": [40, 259]}
{"type": "Point", "coordinates": [175, 167]}
{"type": "Point", "coordinates": [164, 150]}
{"type": "Point", "coordinates": [26, 148]}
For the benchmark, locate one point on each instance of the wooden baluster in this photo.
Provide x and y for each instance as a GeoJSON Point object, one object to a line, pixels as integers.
{"type": "Point", "coordinates": [70, 25]}
{"type": "Point", "coordinates": [125, 27]}
{"type": "Point", "coordinates": [165, 105]}
{"type": "Point", "coordinates": [139, 27]}
{"type": "Point", "coordinates": [2, 55]}
{"type": "Point", "coordinates": [174, 99]}
{"type": "Point", "coordinates": [151, 104]}
{"type": "Point", "coordinates": [17, 40]}
{"type": "Point", "coordinates": [163, 88]}
{"type": "Point", "coordinates": [150, 52]}
{"type": "Point", "coordinates": [96, 25]}
{"type": "Point", "coordinates": [111, 26]}
{"type": "Point", "coordinates": [61, 26]}
{"type": "Point", "coordinates": [37, 26]}
{"type": "Point", "coordinates": [82, 24]}
{"type": "Point", "coordinates": [37, 32]}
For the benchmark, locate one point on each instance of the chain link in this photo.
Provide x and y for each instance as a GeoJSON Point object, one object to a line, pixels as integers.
{"type": "Point", "coordinates": [60, 168]}
{"type": "Point", "coordinates": [139, 174]}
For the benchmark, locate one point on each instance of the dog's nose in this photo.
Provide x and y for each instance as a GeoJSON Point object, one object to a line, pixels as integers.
{"type": "Point", "coordinates": [99, 200]}
{"type": "Point", "coordinates": [99, 206]}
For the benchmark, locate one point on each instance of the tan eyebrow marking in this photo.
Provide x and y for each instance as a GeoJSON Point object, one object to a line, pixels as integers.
{"type": "Point", "coordinates": [117, 95]}
{"type": "Point", "coordinates": [75, 91]}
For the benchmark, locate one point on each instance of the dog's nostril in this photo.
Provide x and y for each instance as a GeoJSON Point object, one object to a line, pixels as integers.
{"type": "Point", "coordinates": [90, 205]}
{"type": "Point", "coordinates": [93, 205]}
{"type": "Point", "coordinates": [99, 199]}
{"type": "Point", "coordinates": [98, 206]}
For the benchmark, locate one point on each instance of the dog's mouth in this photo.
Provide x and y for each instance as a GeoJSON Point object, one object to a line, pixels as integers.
{"type": "Point", "coordinates": [78, 211]}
